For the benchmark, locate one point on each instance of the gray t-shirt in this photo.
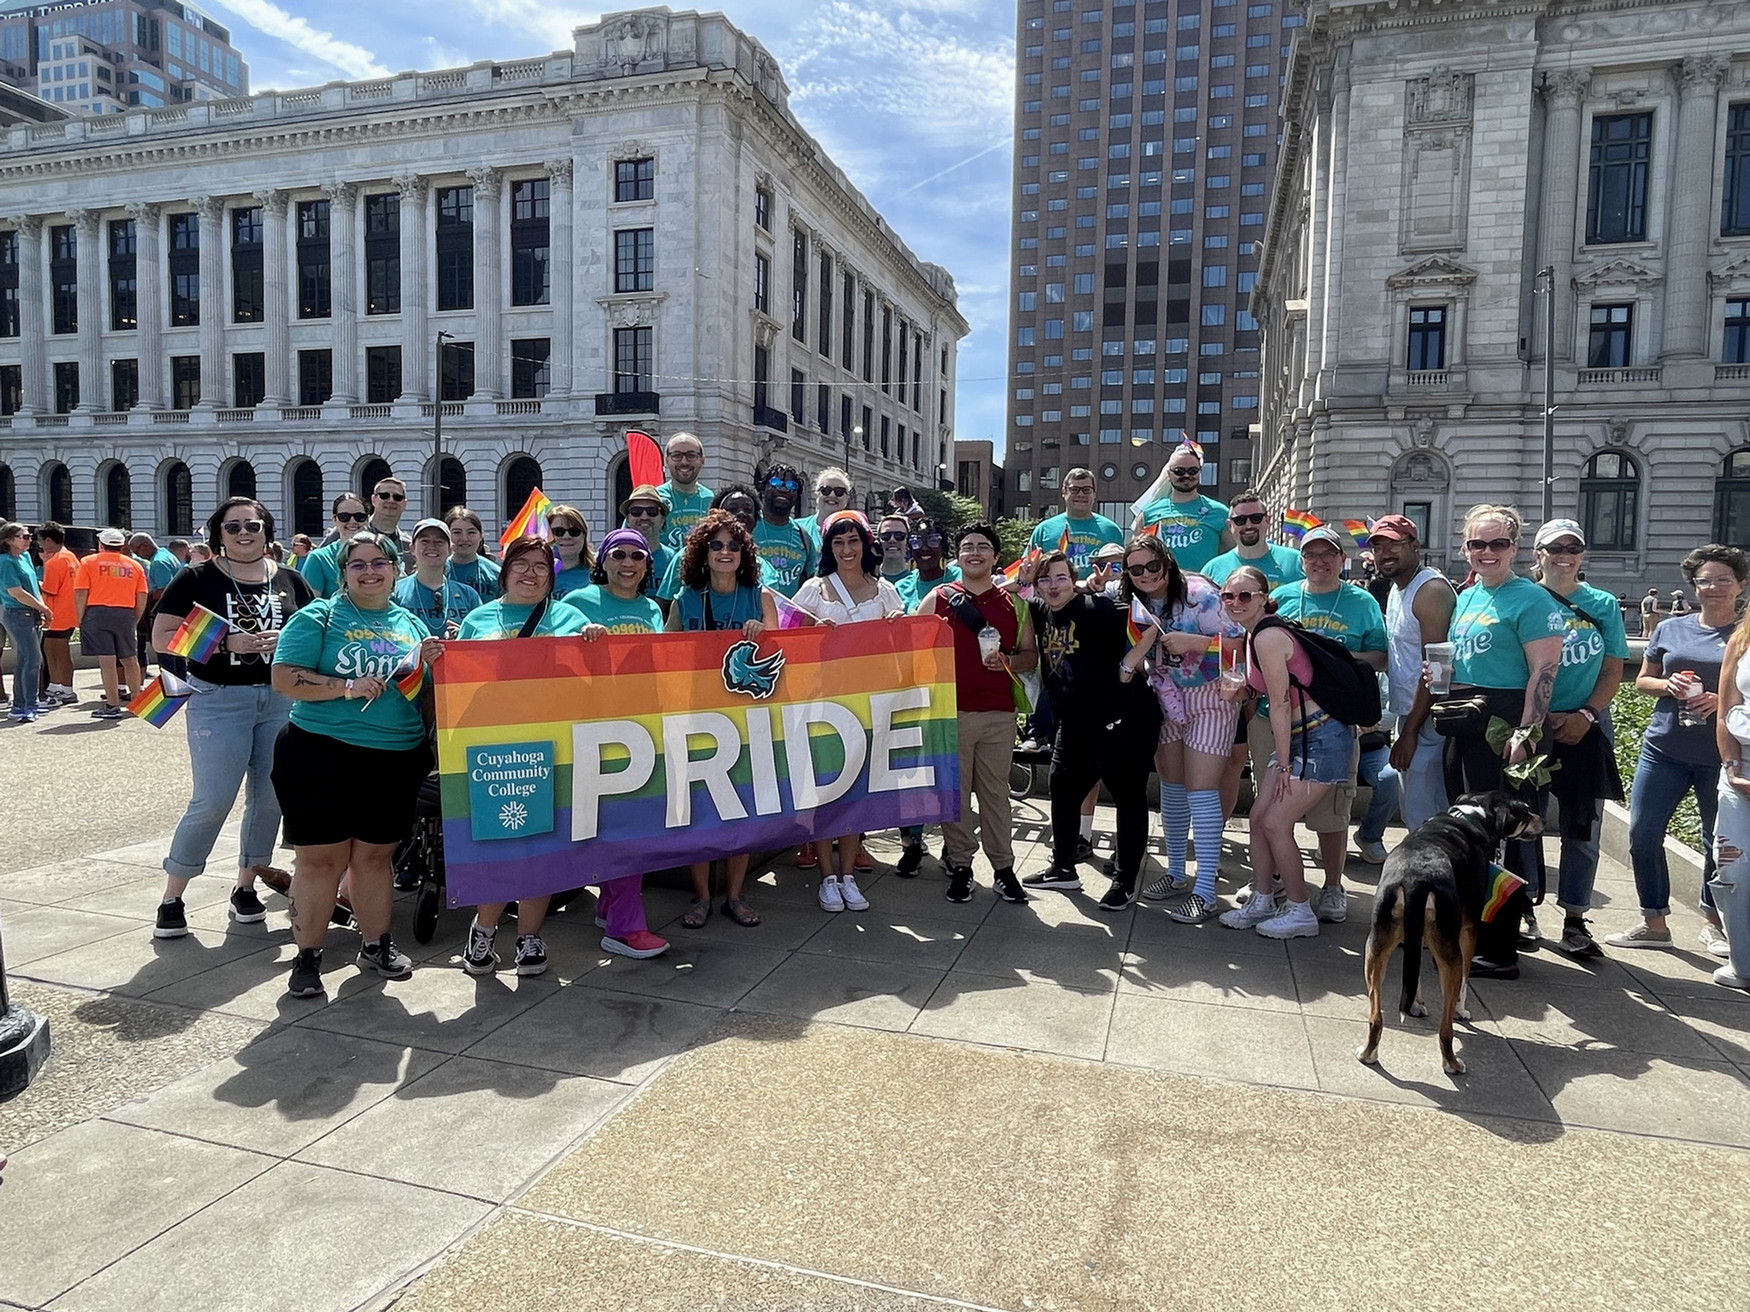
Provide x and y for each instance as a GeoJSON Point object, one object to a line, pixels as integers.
{"type": "Point", "coordinates": [1684, 643]}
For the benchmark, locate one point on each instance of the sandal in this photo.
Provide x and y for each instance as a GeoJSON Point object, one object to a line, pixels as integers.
{"type": "Point", "coordinates": [697, 914]}
{"type": "Point", "coordinates": [741, 913]}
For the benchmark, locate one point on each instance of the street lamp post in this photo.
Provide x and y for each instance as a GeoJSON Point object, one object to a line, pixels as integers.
{"type": "Point", "coordinates": [437, 431]}
{"type": "Point", "coordinates": [1547, 276]}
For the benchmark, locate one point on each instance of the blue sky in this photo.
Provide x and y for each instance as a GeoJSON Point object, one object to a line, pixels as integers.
{"type": "Point", "coordinates": [914, 99]}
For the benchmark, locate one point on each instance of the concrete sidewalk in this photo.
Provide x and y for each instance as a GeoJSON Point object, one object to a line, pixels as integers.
{"type": "Point", "coordinates": [1036, 1106]}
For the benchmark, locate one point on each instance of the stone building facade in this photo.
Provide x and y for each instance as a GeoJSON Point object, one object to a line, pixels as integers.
{"type": "Point", "coordinates": [279, 293]}
{"type": "Point", "coordinates": [1434, 161]}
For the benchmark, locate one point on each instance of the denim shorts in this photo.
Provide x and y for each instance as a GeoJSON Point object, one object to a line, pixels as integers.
{"type": "Point", "coordinates": [1322, 754]}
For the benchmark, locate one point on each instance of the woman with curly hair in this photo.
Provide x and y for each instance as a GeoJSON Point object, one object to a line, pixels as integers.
{"type": "Point", "coordinates": [571, 554]}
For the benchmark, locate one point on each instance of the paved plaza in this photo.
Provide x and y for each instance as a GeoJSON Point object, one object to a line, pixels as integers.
{"type": "Point", "coordinates": [925, 1105]}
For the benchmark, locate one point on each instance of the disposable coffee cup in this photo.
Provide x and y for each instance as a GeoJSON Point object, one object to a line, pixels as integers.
{"type": "Point", "coordinates": [1439, 656]}
{"type": "Point", "coordinates": [990, 642]}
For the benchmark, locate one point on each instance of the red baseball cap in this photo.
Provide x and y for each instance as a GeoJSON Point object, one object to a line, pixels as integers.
{"type": "Point", "coordinates": [1394, 528]}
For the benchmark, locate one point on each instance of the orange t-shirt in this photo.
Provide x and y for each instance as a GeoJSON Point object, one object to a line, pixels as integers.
{"type": "Point", "coordinates": [111, 579]}
{"type": "Point", "coordinates": [57, 586]}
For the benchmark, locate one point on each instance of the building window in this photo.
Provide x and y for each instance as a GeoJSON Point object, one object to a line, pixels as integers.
{"type": "Point", "coordinates": [123, 277]}
{"type": "Point", "coordinates": [383, 254]}
{"type": "Point", "coordinates": [823, 408]}
{"type": "Point", "coordinates": [632, 360]}
{"type": "Point", "coordinates": [799, 288]}
{"type": "Point", "coordinates": [1612, 336]}
{"type": "Point", "coordinates": [455, 248]}
{"type": "Point", "coordinates": [309, 513]}
{"type": "Point", "coordinates": [185, 382]}
{"type": "Point", "coordinates": [64, 277]}
{"type": "Point", "coordinates": [11, 389]}
{"type": "Point", "coordinates": [66, 387]}
{"type": "Point", "coordinates": [248, 379]}
{"type": "Point", "coordinates": [240, 479]}
{"type": "Point", "coordinates": [124, 384]}
{"type": "Point", "coordinates": [798, 396]}
{"type": "Point", "coordinates": [315, 377]}
{"type": "Point", "coordinates": [178, 499]}
{"type": "Point", "coordinates": [824, 339]}
{"type": "Point", "coordinates": [762, 372]}
{"type": "Point", "coordinates": [868, 337]}
{"type": "Point", "coordinates": [1732, 500]}
{"type": "Point", "coordinates": [530, 253]}
{"type": "Point", "coordinates": [382, 374]}
{"type": "Point", "coordinates": [315, 291]}
{"type": "Point", "coordinates": [185, 270]}
{"type": "Point", "coordinates": [1616, 187]}
{"type": "Point", "coordinates": [8, 285]}
{"type": "Point", "coordinates": [1737, 342]}
{"type": "Point", "coordinates": [847, 343]}
{"type": "Point", "coordinates": [456, 371]}
{"type": "Point", "coordinates": [1427, 347]}
{"type": "Point", "coordinates": [1735, 204]}
{"type": "Point", "coordinates": [762, 284]}
{"type": "Point", "coordinates": [762, 207]}
{"type": "Point", "coordinates": [530, 374]}
{"type": "Point", "coordinates": [634, 179]}
{"type": "Point", "coordinates": [248, 297]}
{"type": "Point", "coordinates": [1610, 487]}
{"type": "Point", "coordinates": [634, 259]}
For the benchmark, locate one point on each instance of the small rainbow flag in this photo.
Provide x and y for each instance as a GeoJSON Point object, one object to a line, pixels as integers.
{"type": "Point", "coordinates": [1358, 529]}
{"type": "Point", "coordinates": [790, 615]}
{"type": "Point", "coordinates": [1503, 884]}
{"type": "Point", "coordinates": [1011, 572]}
{"type": "Point", "coordinates": [1063, 540]}
{"type": "Point", "coordinates": [1295, 523]}
{"type": "Point", "coordinates": [409, 676]}
{"type": "Point", "coordinates": [1140, 621]}
{"type": "Point", "coordinates": [199, 635]}
{"type": "Point", "coordinates": [530, 521]}
{"type": "Point", "coordinates": [1187, 442]}
{"type": "Point", "coordinates": [160, 700]}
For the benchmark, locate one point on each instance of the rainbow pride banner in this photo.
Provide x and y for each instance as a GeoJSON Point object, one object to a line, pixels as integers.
{"type": "Point", "coordinates": [565, 762]}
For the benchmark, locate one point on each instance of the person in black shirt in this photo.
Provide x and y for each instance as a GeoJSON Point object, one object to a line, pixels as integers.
{"type": "Point", "coordinates": [1108, 721]}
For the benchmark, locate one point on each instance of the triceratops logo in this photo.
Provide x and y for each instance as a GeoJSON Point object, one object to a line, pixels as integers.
{"type": "Point", "coordinates": [747, 672]}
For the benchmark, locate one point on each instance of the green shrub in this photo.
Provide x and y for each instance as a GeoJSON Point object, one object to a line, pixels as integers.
{"type": "Point", "coordinates": [1631, 712]}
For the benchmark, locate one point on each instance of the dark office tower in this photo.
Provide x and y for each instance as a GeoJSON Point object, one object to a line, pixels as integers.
{"type": "Point", "coordinates": [1145, 143]}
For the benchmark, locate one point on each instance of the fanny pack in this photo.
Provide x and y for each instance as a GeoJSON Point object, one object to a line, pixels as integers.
{"type": "Point", "coordinates": [1468, 716]}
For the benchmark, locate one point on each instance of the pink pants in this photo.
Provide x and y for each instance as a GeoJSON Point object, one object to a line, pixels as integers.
{"type": "Point", "coordinates": [620, 902]}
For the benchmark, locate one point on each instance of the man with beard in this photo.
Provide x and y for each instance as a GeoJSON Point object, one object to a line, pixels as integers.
{"type": "Point", "coordinates": [688, 499]}
{"type": "Point", "coordinates": [1190, 525]}
{"type": "Point", "coordinates": [1250, 522]}
{"type": "Point", "coordinates": [782, 542]}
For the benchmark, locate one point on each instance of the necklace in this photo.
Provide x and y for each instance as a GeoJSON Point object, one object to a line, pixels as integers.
{"type": "Point", "coordinates": [1328, 613]}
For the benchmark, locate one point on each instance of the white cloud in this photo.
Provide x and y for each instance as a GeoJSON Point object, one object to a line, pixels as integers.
{"type": "Point", "coordinates": [547, 24]}
{"type": "Point", "coordinates": [354, 61]}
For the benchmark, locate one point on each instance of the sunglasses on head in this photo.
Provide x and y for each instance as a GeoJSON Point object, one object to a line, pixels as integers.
{"type": "Point", "coordinates": [236, 526]}
{"type": "Point", "coordinates": [390, 496]}
{"type": "Point", "coordinates": [628, 553]}
{"type": "Point", "coordinates": [1140, 571]}
{"type": "Point", "coordinates": [1492, 544]}
{"type": "Point", "coordinates": [348, 517]}
{"type": "Point", "coordinates": [1238, 597]}
{"type": "Point", "coordinates": [1563, 549]}
{"type": "Point", "coordinates": [720, 546]}
{"type": "Point", "coordinates": [1250, 519]}
{"type": "Point", "coordinates": [560, 531]}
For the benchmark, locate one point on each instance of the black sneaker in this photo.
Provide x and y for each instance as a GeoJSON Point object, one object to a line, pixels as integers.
{"type": "Point", "coordinates": [531, 954]}
{"type": "Point", "coordinates": [172, 919]}
{"type": "Point", "coordinates": [387, 960]}
{"type": "Point", "coordinates": [341, 916]}
{"type": "Point", "coordinates": [911, 857]}
{"type": "Point", "coordinates": [1054, 876]}
{"type": "Point", "coordinates": [1008, 887]}
{"type": "Point", "coordinates": [1084, 848]}
{"type": "Point", "coordinates": [1483, 968]}
{"type": "Point", "coordinates": [306, 980]}
{"type": "Point", "coordinates": [959, 884]}
{"type": "Point", "coordinates": [246, 907]}
{"type": "Point", "coordinates": [1119, 895]}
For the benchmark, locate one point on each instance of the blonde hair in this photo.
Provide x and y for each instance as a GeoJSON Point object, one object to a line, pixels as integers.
{"type": "Point", "coordinates": [1508, 515]}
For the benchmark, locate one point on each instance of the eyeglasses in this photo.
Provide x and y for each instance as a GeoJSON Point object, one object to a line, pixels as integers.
{"type": "Point", "coordinates": [628, 554]}
{"type": "Point", "coordinates": [1563, 549]}
{"type": "Point", "coordinates": [1726, 582]}
{"type": "Point", "coordinates": [1493, 544]}
{"type": "Point", "coordinates": [644, 512]}
{"type": "Point", "coordinates": [723, 548]}
{"type": "Point", "coordinates": [1237, 597]}
{"type": "Point", "coordinates": [347, 517]}
{"type": "Point", "coordinates": [390, 496]}
{"type": "Point", "coordinates": [528, 565]}
{"type": "Point", "coordinates": [236, 526]}
{"type": "Point", "coordinates": [976, 545]}
{"type": "Point", "coordinates": [1258, 518]}
{"type": "Point", "coordinates": [1141, 571]}
{"type": "Point", "coordinates": [560, 531]}
{"type": "Point", "coordinates": [686, 454]}
{"type": "Point", "coordinates": [376, 566]}
{"type": "Point", "coordinates": [899, 536]}
{"type": "Point", "coordinates": [788, 484]}
{"type": "Point", "coordinates": [1321, 555]}
{"type": "Point", "coordinates": [832, 491]}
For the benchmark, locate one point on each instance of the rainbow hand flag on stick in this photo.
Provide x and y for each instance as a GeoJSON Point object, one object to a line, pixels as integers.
{"type": "Point", "coordinates": [199, 635]}
{"type": "Point", "coordinates": [409, 676]}
{"type": "Point", "coordinates": [160, 700]}
{"type": "Point", "coordinates": [790, 615]}
{"type": "Point", "coordinates": [1296, 523]}
{"type": "Point", "coordinates": [1359, 530]}
{"type": "Point", "coordinates": [1140, 622]}
{"type": "Point", "coordinates": [530, 521]}
{"type": "Point", "coordinates": [1503, 884]}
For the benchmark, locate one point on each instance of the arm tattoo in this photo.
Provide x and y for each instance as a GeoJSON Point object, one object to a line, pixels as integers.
{"type": "Point", "coordinates": [1542, 686]}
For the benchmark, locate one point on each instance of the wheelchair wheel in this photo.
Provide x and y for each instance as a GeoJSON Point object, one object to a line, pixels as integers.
{"type": "Point", "coordinates": [1020, 780]}
{"type": "Point", "coordinates": [425, 911]}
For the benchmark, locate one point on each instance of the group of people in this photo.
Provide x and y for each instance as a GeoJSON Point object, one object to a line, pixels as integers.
{"type": "Point", "coordinates": [1183, 648]}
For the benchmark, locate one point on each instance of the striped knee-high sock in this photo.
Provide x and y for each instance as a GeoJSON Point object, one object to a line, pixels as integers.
{"type": "Point", "coordinates": [1175, 827]}
{"type": "Point", "coordinates": [1204, 806]}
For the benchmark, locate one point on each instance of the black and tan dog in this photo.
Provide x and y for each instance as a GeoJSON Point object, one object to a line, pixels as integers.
{"type": "Point", "coordinates": [1443, 867]}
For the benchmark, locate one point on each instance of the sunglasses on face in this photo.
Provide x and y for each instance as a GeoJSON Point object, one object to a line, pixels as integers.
{"type": "Point", "coordinates": [1563, 549]}
{"type": "Point", "coordinates": [560, 531]}
{"type": "Point", "coordinates": [390, 496]}
{"type": "Point", "coordinates": [1249, 519]}
{"type": "Point", "coordinates": [644, 512]}
{"type": "Point", "coordinates": [376, 566]}
{"type": "Point", "coordinates": [1184, 473]}
{"type": "Point", "coordinates": [786, 484]}
{"type": "Point", "coordinates": [934, 540]}
{"type": "Point", "coordinates": [832, 491]}
{"type": "Point", "coordinates": [1493, 544]}
{"type": "Point", "coordinates": [623, 554]}
{"type": "Point", "coordinates": [1237, 597]}
{"type": "Point", "coordinates": [900, 536]}
{"type": "Point", "coordinates": [723, 548]}
{"type": "Point", "coordinates": [1143, 571]}
{"type": "Point", "coordinates": [236, 526]}
{"type": "Point", "coordinates": [347, 517]}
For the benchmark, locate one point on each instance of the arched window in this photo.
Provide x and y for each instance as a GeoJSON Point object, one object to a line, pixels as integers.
{"type": "Point", "coordinates": [1610, 488]}
{"type": "Point", "coordinates": [372, 472]}
{"type": "Point", "coordinates": [452, 484]}
{"type": "Point", "coordinates": [307, 507]}
{"type": "Point", "coordinates": [240, 480]}
{"type": "Point", "coordinates": [178, 499]}
{"type": "Point", "coordinates": [1732, 500]}
{"type": "Point", "coordinates": [521, 477]}
{"type": "Point", "coordinates": [60, 493]}
{"type": "Point", "coordinates": [8, 493]}
{"type": "Point", "coordinates": [622, 485]}
{"type": "Point", "coordinates": [118, 497]}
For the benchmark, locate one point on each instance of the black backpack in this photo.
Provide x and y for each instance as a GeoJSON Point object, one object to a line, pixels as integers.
{"type": "Point", "coordinates": [1344, 687]}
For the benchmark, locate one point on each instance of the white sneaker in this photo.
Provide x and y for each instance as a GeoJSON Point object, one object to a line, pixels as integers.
{"type": "Point", "coordinates": [1295, 920]}
{"type": "Point", "coordinates": [832, 897]}
{"type": "Point", "coordinates": [851, 896]}
{"type": "Point", "coordinates": [1245, 894]}
{"type": "Point", "coordinates": [1727, 978]}
{"type": "Point", "coordinates": [1372, 853]}
{"type": "Point", "coordinates": [1714, 942]}
{"type": "Point", "coordinates": [1331, 904]}
{"type": "Point", "coordinates": [1642, 935]}
{"type": "Point", "coordinates": [1252, 913]}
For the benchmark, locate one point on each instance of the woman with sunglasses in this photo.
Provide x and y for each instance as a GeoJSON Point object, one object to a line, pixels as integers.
{"type": "Point", "coordinates": [321, 567]}
{"type": "Point", "coordinates": [233, 714]}
{"type": "Point", "coordinates": [467, 565]}
{"type": "Point", "coordinates": [832, 493]}
{"type": "Point", "coordinates": [1197, 723]}
{"type": "Point", "coordinates": [348, 767]}
{"type": "Point", "coordinates": [927, 543]}
{"type": "Point", "coordinates": [720, 591]}
{"type": "Point", "coordinates": [572, 558]}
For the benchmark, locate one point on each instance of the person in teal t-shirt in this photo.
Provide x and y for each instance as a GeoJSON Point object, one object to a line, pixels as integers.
{"type": "Point", "coordinates": [1087, 531]}
{"type": "Point", "coordinates": [440, 603]}
{"type": "Point", "coordinates": [527, 574]}
{"type": "Point", "coordinates": [467, 565]}
{"type": "Point", "coordinates": [688, 499]}
{"type": "Point", "coordinates": [1247, 518]}
{"type": "Point", "coordinates": [351, 639]}
{"type": "Point", "coordinates": [781, 541]}
{"type": "Point", "coordinates": [322, 566]}
{"type": "Point", "coordinates": [615, 600]}
{"type": "Point", "coordinates": [928, 542]}
{"type": "Point", "coordinates": [1192, 526]}
{"type": "Point", "coordinates": [1491, 627]}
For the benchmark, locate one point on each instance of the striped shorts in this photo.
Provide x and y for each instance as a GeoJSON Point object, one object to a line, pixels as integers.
{"type": "Point", "coordinates": [1210, 721]}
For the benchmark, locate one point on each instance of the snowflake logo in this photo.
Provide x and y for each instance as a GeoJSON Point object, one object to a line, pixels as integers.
{"type": "Point", "coordinates": [513, 815]}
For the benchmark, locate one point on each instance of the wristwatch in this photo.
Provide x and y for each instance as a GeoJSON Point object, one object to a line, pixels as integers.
{"type": "Point", "coordinates": [1589, 713]}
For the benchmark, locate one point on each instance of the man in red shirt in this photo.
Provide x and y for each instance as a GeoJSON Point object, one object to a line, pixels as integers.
{"type": "Point", "coordinates": [993, 634]}
{"type": "Point", "coordinates": [59, 568]}
{"type": "Point", "coordinates": [109, 592]}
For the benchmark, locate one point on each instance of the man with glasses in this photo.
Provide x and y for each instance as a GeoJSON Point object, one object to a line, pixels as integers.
{"type": "Point", "coordinates": [1088, 531]}
{"type": "Point", "coordinates": [322, 566]}
{"type": "Point", "coordinates": [1249, 519]}
{"type": "Point", "coordinates": [388, 504]}
{"type": "Point", "coordinates": [783, 543]}
{"type": "Point", "coordinates": [893, 540]}
{"type": "Point", "coordinates": [927, 542]}
{"type": "Point", "coordinates": [1190, 525]}
{"type": "Point", "coordinates": [688, 499]}
{"type": "Point", "coordinates": [645, 512]}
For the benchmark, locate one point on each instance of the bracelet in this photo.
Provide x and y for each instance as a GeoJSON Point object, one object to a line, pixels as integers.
{"type": "Point", "coordinates": [349, 690]}
{"type": "Point", "coordinates": [1589, 713]}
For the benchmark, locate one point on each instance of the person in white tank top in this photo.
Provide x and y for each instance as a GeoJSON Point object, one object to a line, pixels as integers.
{"type": "Point", "coordinates": [1419, 611]}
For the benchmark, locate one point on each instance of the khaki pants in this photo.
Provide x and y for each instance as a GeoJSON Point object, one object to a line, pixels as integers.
{"type": "Point", "coordinates": [987, 749]}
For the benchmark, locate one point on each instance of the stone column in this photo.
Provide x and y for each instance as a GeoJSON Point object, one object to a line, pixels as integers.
{"type": "Point", "coordinates": [1335, 225]}
{"type": "Point", "coordinates": [32, 326]}
{"type": "Point", "coordinates": [1686, 244]}
{"type": "Point", "coordinates": [1562, 93]}
{"type": "Point", "coordinates": [343, 291]}
{"type": "Point", "coordinates": [90, 255]}
{"type": "Point", "coordinates": [212, 336]}
{"type": "Point", "coordinates": [416, 349]}
{"type": "Point", "coordinates": [560, 250]}
{"type": "Point", "coordinates": [149, 305]}
{"type": "Point", "coordinates": [276, 307]}
{"type": "Point", "coordinates": [488, 284]}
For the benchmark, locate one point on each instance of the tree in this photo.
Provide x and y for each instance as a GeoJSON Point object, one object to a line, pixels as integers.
{"type": "Point", "coordinates": [1015, 533]}
{"type": "Point", "coordinates": [949, 509]}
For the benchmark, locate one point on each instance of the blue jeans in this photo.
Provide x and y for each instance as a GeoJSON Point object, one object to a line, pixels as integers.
{"type": "Point", "coordinates": [24, 627]}
{"type": "Point", "coordinates": [231, 731]}
{"type": "Point", "coordinates": [1659, 785]}
{"type": "Point", "coordinates": [1375, 771]}
{"type": "Point", "coordinates": [1733, 875]}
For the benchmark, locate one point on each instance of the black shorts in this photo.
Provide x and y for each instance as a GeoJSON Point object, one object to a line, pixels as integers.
{"type": "Point", "coordinates": [63, 634]}
{"type": "Point", "coordinates": [334, 792]}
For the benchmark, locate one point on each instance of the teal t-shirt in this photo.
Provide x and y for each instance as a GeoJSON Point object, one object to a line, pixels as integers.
{"type": "Point", "coordinates": [335, 637]}
{"type": "Point", "coordinates": [1192, 531]}
{"type": "Point", "coordinates": [1350, 614]}
{"type": "Point", "coordinates": [570, 580]}
{"type": "Point", "coordinates": [15, 572]}
{"type": "Point", "coordinates": [670, 585]}
{"type": "Point", "coordinates": [683, 513]}
{"type": "Point", "coordinates": [500, 619]}
{"type": "Point", "coordinates": [617, 614]}
{"type": "Point", "coordinates": [448, 604]}
{"type": "Point", "coordinates": [727, 612]}
{"type": "Point", "coordinates": [790, 552]}
{"type": "Point", "coordinates": [1491, 627]}
{"type": "Point", "coordinates": [322, 570]}
{"type": "Point", "coordinates": [1585, 646]}
{"type": "Point", "coordinates": [481, 574]}
{"type": "Point", "coordinates": [161, 569]}
{"type": "Point", "coordinates": [660, 560]}
{"type": "Point", "coordinates": [1278, 564]}
{"type": "Point", "coordinates": [1086, 536]}
{"type": "Point", "coordinates": [914, 592]}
